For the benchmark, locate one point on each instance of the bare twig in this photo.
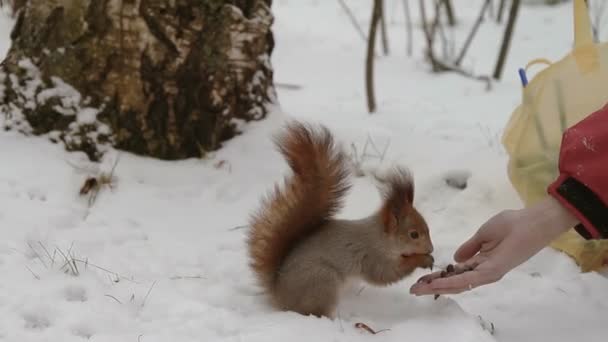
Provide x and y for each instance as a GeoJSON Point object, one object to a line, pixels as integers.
{"type": "Point", "coordinates": [92, 184]}
{"type": "Point", "coordinates": [383, 29]}
{"type": "Point", "coordinates": [506, 41]}
{"type": "Point", "coordinates": [473, 32]}
{"type": "Point", "coordinates": [429, 33]}
{"type": "Point", "coordinates": [408, 26]}
{"type": "Point", "coordinates": [449, 68]}
{"type": "Point", "coordinates": [501, 10]}
{"type": "Point", "coordinates": [369, 65]}
{"type": "Point", "coordinates": [449, 11]}
{"type": "Point", "coordinates": [365, 327]}
{"type": "Point", "coordinates": [353, 20]}
{"type": "Point", "coordinates": [360, 290]}
{"type": "Point", "coordinates": [491, 9]}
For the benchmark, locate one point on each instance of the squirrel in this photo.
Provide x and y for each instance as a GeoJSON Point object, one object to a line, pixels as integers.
{"type": "Point", "coordinates": [302, 255]}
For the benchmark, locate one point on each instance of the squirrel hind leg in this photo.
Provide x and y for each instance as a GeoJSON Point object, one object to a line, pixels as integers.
{"type": "Point", "coordinates": [308, 293]}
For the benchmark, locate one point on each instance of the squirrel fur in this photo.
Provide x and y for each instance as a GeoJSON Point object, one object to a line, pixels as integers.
{"type": "Point", "coordinates": [302, 256]}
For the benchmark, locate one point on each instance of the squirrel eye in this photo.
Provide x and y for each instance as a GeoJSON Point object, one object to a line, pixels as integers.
{"type": "Point", "coordinates": [414, 234]}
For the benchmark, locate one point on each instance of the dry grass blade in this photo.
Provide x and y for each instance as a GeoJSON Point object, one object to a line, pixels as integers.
{"type": "Point", "coordinates": [37, 255]}
{"type": "Point", "coordinates": [68, 263]}
{"type": "Point", "coordinates": [116, 299]}
{"type": "Point", "coordinates": [116, 275]}
{"type": "Point", "coordinates": [147, 294]}
{"type": "Point", "coordinates": [32, 272]}
{"type": "Point", "coordinates": [52, 258]}
{"type": "Point", "coordinates": [186, 277]}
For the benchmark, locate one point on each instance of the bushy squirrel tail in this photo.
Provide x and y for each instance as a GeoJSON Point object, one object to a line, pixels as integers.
{"type": "Point", "coordinates": [309, 198]}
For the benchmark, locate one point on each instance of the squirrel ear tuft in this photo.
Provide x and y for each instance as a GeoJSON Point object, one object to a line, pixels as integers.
{"type": "Point", "coordinates": [398, 194]}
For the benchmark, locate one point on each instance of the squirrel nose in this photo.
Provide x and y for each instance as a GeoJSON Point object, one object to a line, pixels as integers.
{"type": "Point", "coordinates": [430, 249]}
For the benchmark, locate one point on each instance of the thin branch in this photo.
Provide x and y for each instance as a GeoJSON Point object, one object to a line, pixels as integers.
{"type": "Point", "coordinates": [449, 10]}
{"type": "Point", "coordinates": [444, 67]}
{"type": "Point", "coordinates": [506, 41]}
{"type": "Point", "coordinates": [501, 10]}
{"type": "Point", "coordinates": [491, 8]}
{"type": "Point", "coordinates": [369, 64]}
{"type": "Point", "coordinates": [473, 32]}
{"type": "Point", "coordinates": [383, 32]}
{"type": "Point", "coordinates": [353, 20]}
{"type": "Point", "coordinates": [408, 27]}
{"type": "Point", "coordinates": [429, 33]}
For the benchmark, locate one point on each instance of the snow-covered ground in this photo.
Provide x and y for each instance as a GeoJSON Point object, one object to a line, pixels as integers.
{"type": "Point", "coordinates": [161, 257]}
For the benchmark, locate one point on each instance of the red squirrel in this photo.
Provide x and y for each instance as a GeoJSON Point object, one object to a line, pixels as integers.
{"type": "Point", "coordinates": [302, 255]}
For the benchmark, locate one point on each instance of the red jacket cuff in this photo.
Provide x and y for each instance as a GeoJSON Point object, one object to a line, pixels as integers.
{"type": "Point", "coordinates": [583, 204]}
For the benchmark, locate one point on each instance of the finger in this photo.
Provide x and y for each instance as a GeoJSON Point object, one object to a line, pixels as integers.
{"type": "Point", "coordinates": [468, 249]}
{"type": "Point", "coordinates": [429, 277]}
{"type": "Point", "coordinates": [453, 285]}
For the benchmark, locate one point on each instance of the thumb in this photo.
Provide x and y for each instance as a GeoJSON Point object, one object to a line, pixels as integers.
{"type": "Point", "coordinates": [468, 249]}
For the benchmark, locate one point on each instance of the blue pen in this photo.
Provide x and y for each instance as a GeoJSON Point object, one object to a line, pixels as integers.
{"type": "Point", "coordinates": [522, 76]}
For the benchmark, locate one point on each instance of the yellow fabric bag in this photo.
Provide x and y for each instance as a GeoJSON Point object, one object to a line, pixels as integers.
{"type": "Point", "coordinates": [556, 98]}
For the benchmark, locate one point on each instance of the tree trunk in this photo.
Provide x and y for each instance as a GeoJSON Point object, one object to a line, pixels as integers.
{"type": "Point", "coordinates": [167, 79]}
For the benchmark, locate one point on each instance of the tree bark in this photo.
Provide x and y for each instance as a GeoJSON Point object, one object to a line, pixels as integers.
{"type": "Point", "coordinates": [167, 79]}
{"type": "Point", "coordinates": [506, 40]}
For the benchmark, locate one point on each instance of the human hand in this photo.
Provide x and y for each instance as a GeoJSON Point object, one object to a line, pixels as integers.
{"type": "Point", "coordinates": [501, 244]}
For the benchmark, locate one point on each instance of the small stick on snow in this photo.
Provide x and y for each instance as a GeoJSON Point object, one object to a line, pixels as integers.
{"type": "Point", "coordinates": [368, 329]}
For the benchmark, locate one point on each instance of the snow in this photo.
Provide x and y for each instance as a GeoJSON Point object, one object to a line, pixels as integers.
{"type": "Point", "coordinates": [161, 256]}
